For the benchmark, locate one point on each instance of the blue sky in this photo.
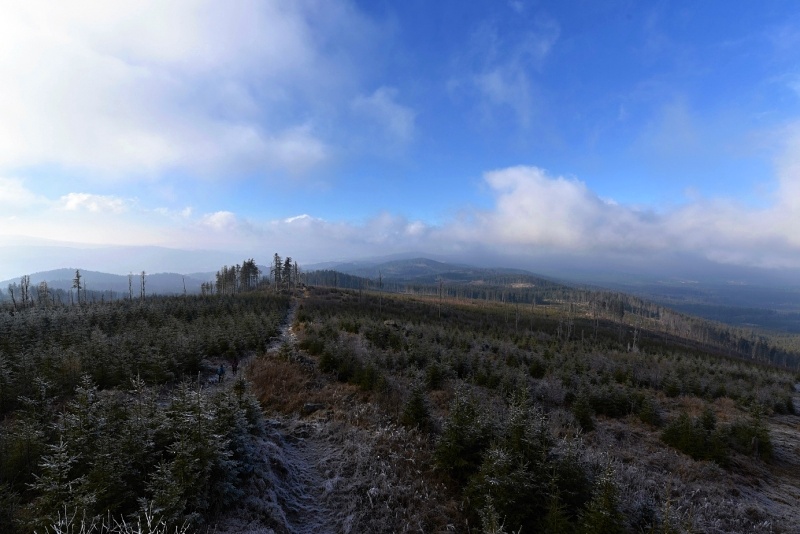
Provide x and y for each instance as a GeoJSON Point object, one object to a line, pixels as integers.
{"type": "Point", "coordinates": [494, 130]}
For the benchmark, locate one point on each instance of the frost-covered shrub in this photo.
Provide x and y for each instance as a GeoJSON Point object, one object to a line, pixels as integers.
{"type": "Point", "coordinates": [465, 436]}
{"type": "Point", "coordinates": [524, 477]}
{"type": "Point", "coordinates": [435, 374]}
{"type": "Point", "coordinates": [751, 437]}
{"type": "Point", "coordinates": [115, 449]}
{"type": "Point", "coordinates": [649, 411]}
{"type": "Point", "coordinates": [515, 489]}
{"type": "Point", "coordinates": [602, 515]}
{"type": "Point", "coordinates": [583, 412]}
{"type": "Point", "coordinates": [699, 437]}
{"type": "Point", "coordinates": [416, 413]}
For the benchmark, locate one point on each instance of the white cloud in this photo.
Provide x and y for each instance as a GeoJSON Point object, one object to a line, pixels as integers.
{"type": "Point", "coordinates": [297, 149]}
{"type": "Point", "coordinates": [301, 219]}
{"type": "Point", "coordinates": [532, 213]}
{"type": "Point", "coordinates": [14, 194]}
{"type": "Point", "coordinates": [92, 203]}
{"type": "Point", "coordinates": [535, 209]}
{"type": "Point", "coordinates": [505, 64]}
{"type": "Point", "coordinates": [147, 86]}
{"type": "Point", "coordinates": [220, 220]}
{"type": "Point", "coordinates": [517, 5]}
{"type": "Point", "coordinates": [673, 133]}
{"type": "Point", "coordinates": [535, 212]}
{"type": "Point", "coordinates": [381, 106]}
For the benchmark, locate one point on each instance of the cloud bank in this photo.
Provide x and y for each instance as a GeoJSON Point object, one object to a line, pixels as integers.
{"type": "Point", "coordinates": [144, 87]}
{"type": "Point", "coordinates": [533, 215]}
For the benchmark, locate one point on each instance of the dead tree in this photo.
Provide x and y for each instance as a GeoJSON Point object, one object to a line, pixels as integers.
{"type": "Point", "coordinates": [76, 283]}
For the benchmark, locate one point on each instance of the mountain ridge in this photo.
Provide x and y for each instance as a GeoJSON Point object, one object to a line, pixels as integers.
{"type": "Point", "coordinates": [155, 283]}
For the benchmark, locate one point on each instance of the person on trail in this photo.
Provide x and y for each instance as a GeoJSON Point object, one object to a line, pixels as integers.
{"type": "Point", "coordinates": [235, 364]}
{"type": "Point", "coordinates": [221, 372]}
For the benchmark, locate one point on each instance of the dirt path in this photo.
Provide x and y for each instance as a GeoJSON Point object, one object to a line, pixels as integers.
{"type": "Point", "coordinates": [340, 467]}
{"type": "Point", "coordinates": [286, 334]}
{"type": "Point", "coordinates": [300, 487]}
{"type": "Point", "coordinates": [287, 494]}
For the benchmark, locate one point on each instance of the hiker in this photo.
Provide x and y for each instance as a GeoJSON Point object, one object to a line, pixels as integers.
{"type": "Point", "coordinates": [221, 372]}
{"type": "Point", "coordinates": [235, 364]}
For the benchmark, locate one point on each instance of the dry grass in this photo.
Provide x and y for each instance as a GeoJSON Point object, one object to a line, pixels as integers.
{"type": "Point", "coordinates": [357, 470]}
{"type": "Point", "coordinates": [726, 410]}
{"type": "Point", "coordinates": [280, 385]}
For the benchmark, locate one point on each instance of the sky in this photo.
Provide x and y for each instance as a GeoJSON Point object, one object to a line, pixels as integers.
{"type": "Point", "coordinates": [635, 133]}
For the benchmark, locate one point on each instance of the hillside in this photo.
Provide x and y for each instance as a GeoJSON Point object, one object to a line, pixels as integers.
{"type": "Point", "coordinates": [524, 290]}
{"type": "Point", "coordinates": [419, 269]}
{"type": "Point", "coordinates": [737, 297]}
{"type": "Point", "coordinates": [388, 412]}
{"type": "Point", "coordinates": [754, 306]}
{"type": "Point", "coordinates": [534, 422]}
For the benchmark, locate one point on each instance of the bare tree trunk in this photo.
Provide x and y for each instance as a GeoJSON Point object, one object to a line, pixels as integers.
{"type": "Point", "coordinates": [440, 298]}
{"type": "Point", "coordinates": [13, 300]}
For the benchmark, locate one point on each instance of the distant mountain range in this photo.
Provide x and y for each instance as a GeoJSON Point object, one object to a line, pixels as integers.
{"type": "Point", "coordinates": [743, 303]}
{"type": "Point", "coordinates": [155, 284]}
{"type": "Point", "coordinates": [421, 270]}
{"type": "Point", "coordinates": [735, 302]}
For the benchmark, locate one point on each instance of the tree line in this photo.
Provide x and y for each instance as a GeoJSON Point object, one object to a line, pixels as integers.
{"type": "Point", "coordinates": [284, 274]}
{"type": "Point", "coordinates": [635, 317]}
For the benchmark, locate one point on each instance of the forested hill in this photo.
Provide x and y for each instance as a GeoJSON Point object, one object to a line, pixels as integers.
{"type": "Point", "coordinates": [422, 274]}
{"type": "Point", "coordinates": [421, 269]}
{"type": "Point", "coordinates": [755, 305]}
{"type": "Point", "coordinates": [95, 281]}
{"type": "Point", "coordinates": [635, 317]}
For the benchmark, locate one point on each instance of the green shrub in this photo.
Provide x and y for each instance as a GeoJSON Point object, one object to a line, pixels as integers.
{"type": "Point", "coordinates": [465, 436]}
{"type": "Point", "coordinates": [699, 438]}
{"type": "Point", "coordinates": [537, 368]}
{"type": "Point", "coordinates": [583, 413]}
{"type": "Point", "coordinates": [612, 401]}
{"type": "Point", "coordinates": [367, 377]}
{"type": "Point", "coordinates": [515, 489]}
{"type": "Point", "coordinates": [416, 413]}
{"type": "Point", "coordinates": [751, 437]}
{"type": "Point", "coordinates": [434, 376]}
{"type": "Point", "coordinates": [349, 325]}
{"type": "Point", "coordinates": [571, 482]}
{"type": "Point", "coordinates": [603, 515]}
{"type": "Point", "coordinates": [649, 412]}
{"type": "Point", "coordinates": [312, 344]}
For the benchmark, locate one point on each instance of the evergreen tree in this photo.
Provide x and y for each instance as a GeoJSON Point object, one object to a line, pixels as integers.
{"type": "Point", "coordinates": [277, 271]}
{"type": "Point", "coordinates": [603, 516]}
{"type": "Point", "coordinates": [465, 437]}
{"type": "Point", "coordinates": [556, 521]}
{"type": "Point", "coordinates": [286, 273]}
{"type": "Point", "coordinates": [57, 487]}
{"type": "Point", "coordinates": [416, 412]}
